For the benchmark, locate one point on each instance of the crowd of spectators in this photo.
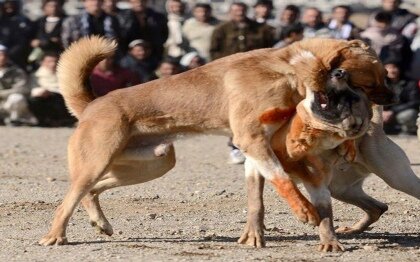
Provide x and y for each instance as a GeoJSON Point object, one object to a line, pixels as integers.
{"type": "Point", "coordinates": [154, 45]}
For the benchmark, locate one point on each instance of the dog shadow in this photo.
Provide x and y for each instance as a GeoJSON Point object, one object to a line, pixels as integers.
{"type": "Point", "coordinates": [384, 240]}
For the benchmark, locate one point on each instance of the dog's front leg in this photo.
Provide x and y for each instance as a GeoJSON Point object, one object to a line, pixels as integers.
{"type": "Point", "coordinates": [253, 234]}
{"type": "Point", "coordinates": [254, 141]}
{"type": "Point", "coordinates": [321, 198]}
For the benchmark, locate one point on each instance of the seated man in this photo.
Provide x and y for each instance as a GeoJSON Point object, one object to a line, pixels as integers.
{"type": "Point", "coordinates": [139, 59]}
{"type": "Point", "coordinates": [13, 91]}
{"type": "Point", "coordinates": [46, 102]}
{"type": "Point", "coordinates": [401, 117]}
{"type": "Point", "coordinates": [191, 60]}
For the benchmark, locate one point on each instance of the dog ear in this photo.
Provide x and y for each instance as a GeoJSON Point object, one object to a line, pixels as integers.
{"type": "Point", "coordinates": [359, 43]}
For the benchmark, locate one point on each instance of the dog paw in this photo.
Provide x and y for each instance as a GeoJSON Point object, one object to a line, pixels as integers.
{"type": "Point", "coordinates": [252, 236]}
{"type": "Point", "coordinates": [332, 245]}
{"type": "Point", "coordinates": [348, 230]}
{"type": "Point", "coordinates": [348, 150]}
{"type": "Point", "coordinates": [297, 149]}
{"type": "Point", "coordinates": [102, 228]}
{"type": "Point", "coordinates": [162, 149]}
{"type": "Point", "coordinates": [52, 239]}
{"type": "Point", "coordinates": [307, 213]}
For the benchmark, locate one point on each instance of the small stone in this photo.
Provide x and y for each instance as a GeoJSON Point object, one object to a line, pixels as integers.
{"type": "Point", "coordinates": [406, 211]}
{"type": "Point", "coordinates": [220, 193]}
{"type": "Point", "coordinates": [51, 179]}
{"type": "Point", "coordinates": [156, 197]}
{"type": "Point", "coordinates": [120, 232]}
{"type": "Point", "coordinates": [151, 215]}
{"type": "Point", "coordinates": [371, 247]}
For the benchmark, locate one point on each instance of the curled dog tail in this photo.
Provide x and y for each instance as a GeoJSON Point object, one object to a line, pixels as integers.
{"type": "Point", "coordinates": [75, 66]}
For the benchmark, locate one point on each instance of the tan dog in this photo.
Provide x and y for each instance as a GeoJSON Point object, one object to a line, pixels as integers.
{"type": "Point", "coordinates": [304, 148]}
{"type": "Point", "coordinates": [324, 174]}
{"type": "Point", "coordinates": [248, 95]}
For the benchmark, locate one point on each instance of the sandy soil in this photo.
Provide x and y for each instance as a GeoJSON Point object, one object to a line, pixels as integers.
{"type": "Point", "coordinates": [195, 212]}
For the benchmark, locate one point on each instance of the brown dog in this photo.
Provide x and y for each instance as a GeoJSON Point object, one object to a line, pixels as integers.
{"type": "Point", "coordinates": [248, 95]}
{"type": "Point", "coordinates": [304, 148]}
{"type": "Point", "coordinates": [371, 153]}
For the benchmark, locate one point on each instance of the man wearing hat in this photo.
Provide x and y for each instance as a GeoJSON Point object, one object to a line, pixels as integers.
{"type": "Point", "coordinates": [140, 60]}
{"type": "Point", "coordinates": [13, 92]}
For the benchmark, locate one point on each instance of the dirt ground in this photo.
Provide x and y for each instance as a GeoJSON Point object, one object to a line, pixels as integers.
{"type": "Point", "coordinates": [194, 213]}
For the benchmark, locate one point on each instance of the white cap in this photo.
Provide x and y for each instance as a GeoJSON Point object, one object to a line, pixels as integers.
{"type": "Point", "coordinates": [3, 48]}
{"type": "Point", "coordinates": [187, 58]}
{"type": "Point", "coordinates": [136, 42]}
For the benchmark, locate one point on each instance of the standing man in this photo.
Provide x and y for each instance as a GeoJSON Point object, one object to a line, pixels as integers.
{"type": "Point", "coordinates": [145, 23]}
{"type": "Point", "coordinates": [92, 21]}
{"type": "Point", "coordinates": [239, 34]}
{"type": "Point", "coordinates": [198, 30]}
{"type": "Point", "coordinates": [16, 32]}
{"type": "Point", "coordinates": [402, 20]}
{"type": "Point", "coordinates": [288, 16]}
{"type": "Point", "coordinates": [262, 11]}
{"type": "Point", "coordinates": [313, 24]}
{"type": "Point", "coordinates": [340, 24]}
{"type": "Point", "coordinates": [175, 45]}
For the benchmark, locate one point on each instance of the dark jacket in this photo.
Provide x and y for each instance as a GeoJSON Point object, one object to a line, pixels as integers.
{"type": "Point", "coordinates": [78, 26]}
{"type": "Point", "coordinates": [229, 39]}
{"type": "Point", "coordinates": [400, 18]}
{"type": "Point", "coordinates": [48, 40]}
{"type": "Point", "coordinates": [145, 70]}
{"type": "Point", "coordinates": [15, 33]}
{"type": "Point", "coordinates": [409, 96]}
{"type": "Point", "coordinates": [153, 29]}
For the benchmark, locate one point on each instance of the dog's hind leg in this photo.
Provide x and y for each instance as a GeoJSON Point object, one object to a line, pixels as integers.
{"type": "Point", "coordinates": [253, 234]}
{"type": "Point", "coordinates": [89, 159]}
{"type": "Point", "coordinates": [388, 161]}
{"type": "Point", "coordinates": [133, 166]}
{"type": "Point", "coordinates": [346, 186]}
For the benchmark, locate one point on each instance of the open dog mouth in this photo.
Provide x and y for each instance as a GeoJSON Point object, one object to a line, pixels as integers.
{"type": "Point", "coordinates": [333, 106]}
{"type": "Point", "coordinates": [322, 100]}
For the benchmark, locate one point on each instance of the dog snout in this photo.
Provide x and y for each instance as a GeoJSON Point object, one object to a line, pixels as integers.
{"type": "Point", "coordinates": [338, 73]}
{"type": "Point", "coordinates": [352, 124]}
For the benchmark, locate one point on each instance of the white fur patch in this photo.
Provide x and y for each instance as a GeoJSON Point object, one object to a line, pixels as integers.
{"type": "Point", "coordinates": [301, 56]}
{"type": "Point", "coordinates": [309, 99]}
{"type": "Point", "coordinates": [267, 169]}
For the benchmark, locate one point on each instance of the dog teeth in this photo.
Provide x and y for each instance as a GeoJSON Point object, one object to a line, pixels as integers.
{"type": "Point", "coordinates": [324, 106]}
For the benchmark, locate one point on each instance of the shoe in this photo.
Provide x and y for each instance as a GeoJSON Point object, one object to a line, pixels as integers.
{"type": "Point", "coordinates": [236, 157]}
